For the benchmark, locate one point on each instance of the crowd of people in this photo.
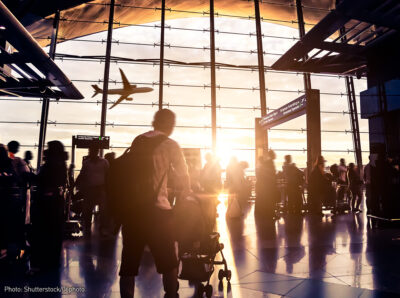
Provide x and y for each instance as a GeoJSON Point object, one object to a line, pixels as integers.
{"type": "Point", "coordinates": [151, 178]}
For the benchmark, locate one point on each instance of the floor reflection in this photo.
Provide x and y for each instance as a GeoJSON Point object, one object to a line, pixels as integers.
{"type": "Point", "coordinates": [295, 256]}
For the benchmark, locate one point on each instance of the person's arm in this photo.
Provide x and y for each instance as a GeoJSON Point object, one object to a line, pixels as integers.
{"type": "Point", "coordinates": [79, 182]}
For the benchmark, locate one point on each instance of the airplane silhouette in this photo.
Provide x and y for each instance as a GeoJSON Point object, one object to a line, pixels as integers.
{"type": "Point", "coordinates": [127, 90]}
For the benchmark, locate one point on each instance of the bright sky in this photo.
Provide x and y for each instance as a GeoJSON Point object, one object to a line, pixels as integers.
{"type": "Point", "coordinates": [238, 142]}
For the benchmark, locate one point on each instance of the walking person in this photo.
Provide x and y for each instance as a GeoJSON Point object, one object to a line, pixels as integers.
{"type": "Point", "coordinates": [91, 181]}
{"type": "Point", "coordinates": [367, 183]}
{"type": "Point", "coordinates": [318, 185]}
{"type": "Point", "coordinates": [210, 177]}
{"type": "Point", "coordinates": [355, 184]}
{"type": "Point", "coordinates": [342, 180]}
{"type": "Point", "coordinates": [8, 192]}
{"type": "Point", "coordinates": [48, 218]}
{"type": "Point", "coordinates": [149, 219]}
{"type": "Point", "coordinates": [273, 194]}
{"type": "Point", "coordinates": [294, 189]}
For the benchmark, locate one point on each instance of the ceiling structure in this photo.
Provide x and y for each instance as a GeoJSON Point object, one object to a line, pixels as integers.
{"type": "Point", "coordinates": [37, 15]}
{"type": "Point", "coordinates": [25, 69]}
{"type": "Point", "coordinates": [366, 27]}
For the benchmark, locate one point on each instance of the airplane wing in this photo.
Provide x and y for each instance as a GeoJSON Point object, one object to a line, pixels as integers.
{"type": "Point", "coordinates": [118, 101]}
{"type": "Point", "coordinates": [124, 80]}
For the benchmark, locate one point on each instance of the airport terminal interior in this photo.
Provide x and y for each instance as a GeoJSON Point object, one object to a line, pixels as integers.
{"type": "Point", "coordinates": [220, 148]}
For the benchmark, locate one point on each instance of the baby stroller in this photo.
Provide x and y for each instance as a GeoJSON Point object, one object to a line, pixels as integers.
{"type": "Point", "coordinates": [199, 245]}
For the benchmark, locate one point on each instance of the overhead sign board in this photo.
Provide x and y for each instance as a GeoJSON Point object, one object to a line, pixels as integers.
{"type": "Point", "coordinates": [293, 109]}
{"type": "Point", "coordinates": [89, 141]}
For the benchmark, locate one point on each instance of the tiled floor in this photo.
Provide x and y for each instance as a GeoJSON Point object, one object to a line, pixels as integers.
{"type": "Point", "coordinates": [296, 256]}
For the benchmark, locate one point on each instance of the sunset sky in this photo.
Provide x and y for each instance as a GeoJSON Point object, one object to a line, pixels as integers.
{"type": "Point", "coordinates": [238, 140]}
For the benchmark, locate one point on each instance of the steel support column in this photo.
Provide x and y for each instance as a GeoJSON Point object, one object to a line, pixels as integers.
{"type": "Point", "coordinates": [162, 43]}
{"type": "Point", "coordinates": [46, 101]}
{"type": "Point", "coordinates": [351, 96]}
{"type": "Point", "coordinates": [213, 79]}
{"type": "Point", "coordinates": [352, 102]}
{"type": "Point", "coordinates": [261, 69]}
{"type": "Point", "coordinates": [107, 72]}
{"type": "Point", "coordinates": [302, 32]}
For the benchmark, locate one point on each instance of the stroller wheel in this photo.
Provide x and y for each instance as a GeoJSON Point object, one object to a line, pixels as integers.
{"type": "Point", "coordinates": [228, 275]}
{"type": "Point", "coordinates": [200, 290]}
{"type": "Point", "coordinates": [221, 274]}
{"type": "Point", "coordinates": [209, 290]}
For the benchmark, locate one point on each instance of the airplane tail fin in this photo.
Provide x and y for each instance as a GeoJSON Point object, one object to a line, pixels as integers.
{"type": "Point", "coordinates": [97, 90]}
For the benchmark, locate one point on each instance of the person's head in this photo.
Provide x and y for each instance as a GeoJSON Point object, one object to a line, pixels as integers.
{"type": "Point", "coordinates": [334, 169]}
{"type": "Point", "coordinates": [288, 159]}
{"type": "Point", "coordinates": [320, 163]}
{"type": "Point", "coordinates": [342, 162]}
{"type": "Point", "coordinates": [93, 152]}
{"type": "Point", "coordinates": [271, 154]}
{"type": "Point", "coordinates": [28, 155]}
{"type": "Point", "coordinates": [110, 156]}
{"type": "Point", "coordinates": [352, 166]}
{"type": "Point", "coordinates": [164, 121]}
{"type": "Point", "coordinates": [55, 152]}
{"type": "Point", "coordinates": [13, 147]}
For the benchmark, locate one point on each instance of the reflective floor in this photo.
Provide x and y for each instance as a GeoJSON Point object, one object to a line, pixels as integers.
{"type": "Point", "coordinates": [296, 256]}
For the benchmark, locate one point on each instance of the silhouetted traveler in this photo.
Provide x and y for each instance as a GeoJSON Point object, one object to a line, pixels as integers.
{"type": "Point", "coordinates": [28, 156]}
{"type": "Point", "coordinates": [261, 191]}
{"type": "Point", "coordinates": [295, 181]}
{"type": "Point", "coordinates": [112, 222]}
{"type": "Point", "coordinates": [355, 184]}
{"type": "Point", "coordinates": [149, 221]}
{"type": "Point", "coordinates": [245, 184]}
{"type": "Point", "coordinates": [272, 196]}
{"type": "Point", "coordinates": [91, 181]}
{"type": "Point", "coordinates": [334, 169]}
{"type": "Point", "coordinates": [317, 186]}
{"type": "Point", "coordinates": [194, 174]}
{"type": "Point", "coordinates": [17, 198]}
{"type": "Point", "coordinates": [367, 182]}
{"type": "Point", "coordinates": [342, 180]}
{"type": "Point", "coordinates": [48, 214]}
{"type": "Point", "coordinates": [233, 176]}
{"type": "Point", "coordinates": [379, 185]}
{"type": "Point", "coordinates": [19, 165]}
{"type": "Point", "coordinates": [331, 194]}
{"type": "Point", "coordinates": [285, 171]}
{"type": "Point", "coordinates": [9, 193]}
{"type": "Point", "coordinates": [211, 175]}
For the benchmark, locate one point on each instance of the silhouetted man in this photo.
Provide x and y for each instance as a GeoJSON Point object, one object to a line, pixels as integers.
{"type": "Point", "coordinates": [18, 164]}
{"type": "Point", "coordinates": [152, 223]}
{"type": "Point", "coordinates": [91, 181]}
{"type": "Point", "coordinates": [342, 181]}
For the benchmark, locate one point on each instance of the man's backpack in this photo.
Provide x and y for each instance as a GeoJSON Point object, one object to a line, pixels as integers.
{"type": "Point", "coordinates": [129, 182]}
